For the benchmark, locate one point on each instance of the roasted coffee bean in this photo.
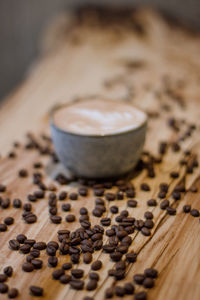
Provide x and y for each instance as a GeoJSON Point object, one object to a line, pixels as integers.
{"type": "Point", "coordinates": [77, 273]}
{"type": "Point", "coordinates": [39, 194]}
{"type": "Point", "coordinates": [152, 202]}
{"type": "Point", "coordinates": [56, 219]}
{"type": "Point", "coordinates": [53, 244]}
{"type": "Point", "coordinates": [32, 198]}
{"type": "Point", "coordinates": [62, 195]}
{"type": "Point", "coordinates": [67, 266]}
{"type": "Point", "coordinates": [73, 196]}
{"type": "Point", "coordinates": [40, 245]}
{"type": "Point", "coordinates": [97, 245]}
{"type": "Point", "coordinates": [91, 285]}
{"type": "Point", "coordinates": [17, 203]}
{"type": "Point", "coordinates": [52, 261]}
{"type": "Point", "coordinates": [77, 284]}
{"type": "Point", "coordinates": [23, 173]}
{"type": "Point", "coordinates": [131, 257]}
{"type": "Point", "coordinates": [132, 203]}
{"type": "Point", "coordinates": [162, 147]}
{"type": "Point", "coordinates": [116, 256]}
{"type": "Point", "coordinates": [150, 272]}
{"type": "Point", "coordinates": [148, 215]}
{"type": "Point", "coordinates": [114, 209]}
{"type": "Point", "coordinates": [130, 193]}
{"type": "Point", "coordinates": [53, 211]}
{"type": "Point", "coordinates": [148, 283]}
{"type": "Point", "coordinates": [110, 196]}
{"type": "Point", "coordinates": [31, 218]}
{"type": "Point", "coordinates": [124, 213]}
{"type": "Point", "coordinates": [105, 221]}
{"type": "Point", "coordinates": [145, 187]}
{"type": "Point", "coordinates": [5, 203]}
{"type": "Point", "coordinates": [109, 292]}
{"type": "Point", "coordinates": [164, 204]}
{"type": "Point", "coordinates": [171, 211]}
{"type": "Point", "coordinates": [174, 174]}
{"type": "Point", "coordinates": [14, 244]}
{"type": "Point", "coordinates": [25, 248]}
{"type": "Point", "coordinates": [176, 195]}
{"type": "Point", "coordinates": [13, 293]}
{"type": "Point", "coordinates": [139, 278]}
{"type": "Point", "coordinates": [57, 273]}
{"type": "Point", "coordinates": [30, 242]}
{"type": "Point", "coordinates": [64, 279]}
{"type": "Point", "coordinates": [186, 208]}
{"type": "Point", "coordinates": [27, 267]}
{"type": "Point", "coordinates": [99, 192]}
{"type": "Point", "coordinates": [3, 288]}
{"type": "Point", "coordinates": [29, 258]}
{"type": "Point", "coordinates": [97, 212]}
{"type": "Point", "coordinates": [99, 201]}
{"type": "Point", "coordinates": [37, 263]}
{"type": "Point", "coordinates": [139, 224]}
{"type": "Point", "coordinates": [145, 231]}
{"type": "Point", "coordinates": [3, 227]}
{"type": "Point", "coordinates": [94, 276]}
{"type": "Point", "coordinates": [175, 147]}
{"type": "Point", "coordinates": [162, 194]}
{"type": "Point", "coordinates": [9, 221]}
{"type": "Point", "coordinates": [194, 213]}
{"type": "Point", "coordinates": [75, 258]}
{"type": "Point", "coordinates": [119, 274]}
{"type": "Point", "coordinates": [8, 271]}
{"type": "Point", "coordinates": [120, 195]}
{"type": "Point", "coordinates": [120, 265]}
{"type": "Point", "coordinates": [83, 191]}
{"type": "Point", "coordinates": [2, 188]}
{"type": "Point", "coordinates": [149, 224]}
{"type": "Point", "coordinates": [37, 165]}
{"type": "Point", "coordinates": [119, 291]}
{"type": "Point", "coordinates": [140, 296]}
{"type": "Point", "coordinates": [83, 211]}
{"type": "Point", "coordinates": [96, 265]}
{"type": "Point", "coordinates": [51, 251]}
{"type": "Point", "coordinates": [129, 288]}
{"type": "Point", "coordinates": [70, 218]}
{"type": "Point", "coordinates": [27, 207]}
{"type": "Point", "coordinates": [36, 290]}
{"type": "Point", "coordinates": [21, 238]}
{"type": "Point", "coordinates": [3, 277]}
{"type": "Point", "coordinates": [87, 257]}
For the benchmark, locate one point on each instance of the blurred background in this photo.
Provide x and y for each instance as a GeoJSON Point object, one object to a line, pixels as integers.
{"type": "Point", "coordinates": [22, 23]}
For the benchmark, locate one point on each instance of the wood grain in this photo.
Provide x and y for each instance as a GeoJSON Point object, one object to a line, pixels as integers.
{"type": "Point", "coordinates": [157, 70]}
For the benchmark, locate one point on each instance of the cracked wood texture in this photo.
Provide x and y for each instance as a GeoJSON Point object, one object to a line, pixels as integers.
{"type": "Point", "coordinates": [134, 56]}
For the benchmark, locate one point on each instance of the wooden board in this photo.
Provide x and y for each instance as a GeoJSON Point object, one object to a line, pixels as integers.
{"type": "Point", "coordinates": [144, 61]}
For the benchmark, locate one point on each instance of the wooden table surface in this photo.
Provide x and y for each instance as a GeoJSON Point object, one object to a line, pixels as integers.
{"type": "Point", "coordinates": [153, 65]}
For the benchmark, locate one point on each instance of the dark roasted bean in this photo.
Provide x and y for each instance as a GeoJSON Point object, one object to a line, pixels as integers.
{"type": "Point", "coordinates": [36, 290]}
{"type": "Point", "coordinates": [94, 276]}
{"type": "Point", "coordinates": [139, 278]}
{"type": "Point", "coordinates": [23, 173]}
{"type": "Point", "coordinates": [96, 265]}
{"type": "Point", "coordinates": [13, 293]}
{"type": "Point", "coordinates": [109, 292]}
{"type": "Point", "coordinates": [3, 288]}
{"type": "Point", "coordinates": [77, 284]}
{"type": "Point", "coordinates": [194, 213]}
{"type": "Point", "coordinates": [57, 273]}
{"type": "Point", "coordinates": [73, 196]}
{"type": "Point", "coordinates": [31, 218]}
{"type": "Point", "coordinates": [30, 242]}
{"type": "Point", "coordinates": [114, 209]}
{"type": "Point", "coordinates": [3, 277]}
{"type": "Point", "coordinates": [62, 195]}
{"type": "Point", "coordinates": [87, 257]}
{"type": "Point", "coordinates": [171, 211]}
{"type": "Point", "coordinates": [14, 244]}
{"type": "Point", "coordinates": [70, 218]}
{"type": "Point", "coordinates": [152, 202]}
{"type": "Point", "coordinates": [3, 227]}
{"type": "Point", "coordinates": [56, 219]}
{"type": "Point", "coordinates": [148, 215]}
{"type": "Point", "coordinates": [77, 273]}
{"type": "Point", "coordinates": [129, 288]}
{"type": "Point", "coordinates": [27, 267]}
{"type": "Point", "coordinates": [119, 291]}
{"type": "Point", "coordinates": [149, 224]}
{"type": "Point", "coordinates": [105, 221]}
{"type": "Point", "coordinates": [132, 203]}
{"type": "Point", "coordinates": [145, 187]}
{"type": "Point", "coordinates": [148, 283]}
{"type": "Point", "coordinates": [64, 279]}
{"type": "Point", "coordinates": [83, 191]}
{"type": "Point", "coordinates": [52, 261]}
{"type": "Point", "coordinates": [91, 285]}
{"type": "Point", "coordinates": [110, 196]}
{"type": "Point", "coordinates": [5, 203]}
{"type": "Point", "coordinates": [164, 204]}
{"type": "Point", "coordinates": [116, 256]}
{"type": "Point", "coordinates": [8, 271]}
{"type": "Point", "coordinates": [37, 263]}
{"type": "Point", "coordinates": [186, 208]}
{"type": "Point", "coordinates": [40, 245]}
{"type": "Point", "coordinates": [174, 174]}
{"type": "Point", "coordinates": [145, 231]}
{"type": "Point", "coordinates": [17, 203]}
{"type": "Point", "coordinates": [67, 266]}
{"type": "Point", "coordinates": [150, 272]}
{"type": "Point", "coordinates": [131, 257]}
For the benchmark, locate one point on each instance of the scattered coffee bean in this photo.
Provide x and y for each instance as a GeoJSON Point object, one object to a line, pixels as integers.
{"type": "Point", "coordinates": [13, 293]}
{"type": "Point", "coordinates": [5, 203]}
{"type": "Point", "coordinates": [77, 273]}
{"type": "Point", "coordinates": [37, 263]}
{"type": "Point", "coordinates": [148, 283]}
{"type": "Point", "coordinates": [64, 279]}
{"type": "Point", "coordinates": [21, 238]}
{"type": "Point", "coordinates": [164, 204]}
{"type": "Point", "coordinates": [77, 284]}
{"type": "Point", "coordinates": [56, 219]}
{"type": "Point", "coordinates": [145, 231]}
{"type": "Point", "coordinates": [73, 196]}
{"type": "Point", "coordinates": [3, 227]}
{"type": "Point", "coordinates": [131, 257]}
{"type": "Point", "coordinates": [109, 292]}
{"type": "Point", "coordinates": [129, 288]}
{"type": "Point", "coordinates": [36, 290]}
{"type": "Point", "coordinates": [171, 211]}
{"type": "Point", "coordinates": [40, 246]}
{"type": "Point", "coordinates": [8, 271]}
{"type": "Point", "coordinates": [119, 291]}
{"type": "Point", "coordinates": [114, 209]}
{"type": "Point", "coordinates": [3, 288]}
{"type": "Point", "coordinates": [87, 257]}
{"type": "Point", "coordinates": [110, 196]}
{"type": "Point", "coordinates": [62, 195]}
{"type": "Point", "coordinates": [17, 203]}
{"type": "Point", "coordinates": [96, 265]}
{"type": "Point", "coordinates": [174, 174]}
{"type": "Point", "coordinates": [148, 215]}
{"type": "Point", "coordinates": [57, 273]}
{"type": "Point", "coordinates": [14, 244]}
{"type": "Point", "coordinates": [27, 267]}
{"type": "Point", "coordinates": [67, 266]}
{"type": "Point", "coordinates": [3, 277]}
{"type": "Point", "coordinates": [30, 242]}
{"type": "Point", "coordinates": [149, 224]}
{"type": "Point", "coordinates": [91, 285]}
{"type": "Point", "coordinates": [52, 261]}
{"type": "Point", "coordinates": [70, 218]}
{"type": "Point", "coordinates": [145, 187]}
{"type": "Point", "coordinates": [186, 208]}
{"type": "Point", "coordinates": [132, 203]}
{"type": "Point", "coordinates": [139, 278]}
{"type": "Point", "coordinates": [150, 272]}
{"type": "Point", "coordinates": [194, 213]}
{"type": "Point", "coordinates": [23, 173]}
{"type": "Point", "coordinates": [31, 218]}
{"type": "Point", "coordinates": [2, 188]}
{"type": "Point", "coordinates": [105, 221]}
{"type": "Point", "coordinates": [94, 276]}
{"type": "Point", "coordinates": [83, 191]}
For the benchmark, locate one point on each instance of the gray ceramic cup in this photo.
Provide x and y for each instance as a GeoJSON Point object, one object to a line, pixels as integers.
{"type": "Point", "coordinates": [96, 156]}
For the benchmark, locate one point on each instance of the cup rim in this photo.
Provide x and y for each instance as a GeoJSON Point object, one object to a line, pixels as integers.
{"type": "Point", "coordinates": [58, 106]}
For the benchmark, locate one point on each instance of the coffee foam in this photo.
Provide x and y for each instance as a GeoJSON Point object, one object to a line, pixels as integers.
{"type": "Point", "coordinates": [98, 117]}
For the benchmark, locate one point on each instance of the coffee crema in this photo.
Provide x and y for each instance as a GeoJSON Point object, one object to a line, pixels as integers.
{"type": "Point", "coordinates": [98, 117]}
